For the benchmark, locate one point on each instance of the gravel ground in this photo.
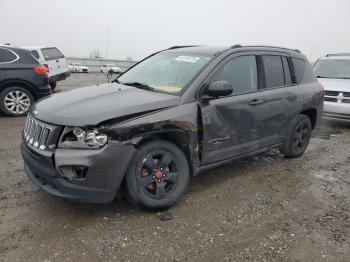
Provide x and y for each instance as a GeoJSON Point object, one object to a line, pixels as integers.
{"type": "Point", "coordinates": [263, 208]}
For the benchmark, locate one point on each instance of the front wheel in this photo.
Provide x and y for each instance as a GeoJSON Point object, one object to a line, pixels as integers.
{"type": "Point", "coordinates": [158, 176]}
{"type": "Point", "coordinates": [298, 138]}
{"type": "Point", "coordinates": [15, 101]}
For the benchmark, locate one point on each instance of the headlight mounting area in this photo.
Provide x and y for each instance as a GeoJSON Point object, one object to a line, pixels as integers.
{"type": "Point", "coordinates": [82, 138]}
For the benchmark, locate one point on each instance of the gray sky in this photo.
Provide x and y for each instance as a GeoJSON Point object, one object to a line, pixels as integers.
{"type": "Point", "coordinates": [139, 27]}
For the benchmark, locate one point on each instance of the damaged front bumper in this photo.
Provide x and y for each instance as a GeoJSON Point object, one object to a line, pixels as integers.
{"type": "Point", "coordinates": [92, 176]}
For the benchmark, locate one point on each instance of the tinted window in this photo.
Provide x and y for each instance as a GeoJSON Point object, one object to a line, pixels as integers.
{"type": "Point", "coordinates": [52, 53]}
{"type": "Point", "coordinates": [6, 56]}
{"type": "Point", "coordinates": [274, 74]}
{"type": "Point", "coordinates": [299, 68]}
{"type": "Point", "coordinates": [241, 72]}
{"type": "Point", "coordinates": [35, 54]}
{"type": "Point", "coordinates": [287, 76]}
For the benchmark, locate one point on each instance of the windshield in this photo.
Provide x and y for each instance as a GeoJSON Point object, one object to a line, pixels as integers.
{"type": "Point", "coordinates": [166, 72]}
{"type": "Point", "coordinates": [333, 68]}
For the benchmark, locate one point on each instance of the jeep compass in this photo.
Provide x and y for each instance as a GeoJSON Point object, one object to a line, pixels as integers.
{"type": "Point", "coordinates": [169, 117]}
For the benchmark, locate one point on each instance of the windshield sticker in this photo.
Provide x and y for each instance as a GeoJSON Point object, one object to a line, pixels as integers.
{"type": "Point", "coordinates": [189, 59]}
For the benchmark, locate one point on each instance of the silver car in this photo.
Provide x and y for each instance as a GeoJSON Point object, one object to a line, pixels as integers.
{"type": "Point", "coordinates": [333, 71]}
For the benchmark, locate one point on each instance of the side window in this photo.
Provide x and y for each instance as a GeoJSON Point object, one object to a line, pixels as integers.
{"type": "Point", "coordinates": [287, 76]}
{"type": "Point", "coordinates": [35, 54]}
{"type": "Point", "coordinates": [7, 56]}
{"type": "Point", "coordinates": [241, 72]}
{"type": "Point", "coordinates": [274, 74]}
{"type": "Point", "coordinates": [299, 67]}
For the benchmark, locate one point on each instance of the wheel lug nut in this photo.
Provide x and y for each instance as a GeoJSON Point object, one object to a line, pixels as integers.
{"type": "Point", "coordinates": [159, 180]}
{"type": "Point", "coordinates": [163, 175]}
{"type": "Point", "coordinates": [154, 177]}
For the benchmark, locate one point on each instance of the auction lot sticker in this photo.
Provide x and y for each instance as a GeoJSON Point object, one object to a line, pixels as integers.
{"type": "Point", "coordinates": [189, 59]}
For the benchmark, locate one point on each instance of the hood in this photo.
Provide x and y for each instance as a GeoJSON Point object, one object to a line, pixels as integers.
{"type": "Point", "coordinates": [92, 105]}
{"type": "Point", "coordinates": [333, 84]}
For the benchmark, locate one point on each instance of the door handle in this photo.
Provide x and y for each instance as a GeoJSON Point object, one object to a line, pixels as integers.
{"type": "Point", "coordinates": [255, 102]}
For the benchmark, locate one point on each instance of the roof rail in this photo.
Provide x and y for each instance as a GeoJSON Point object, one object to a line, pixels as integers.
{"type": "Point", "coordinates": [181, 46]}
{"type": "Point", "coordinates": [338, 54]}
{"type": "Point", "coordinates": [295, 50]}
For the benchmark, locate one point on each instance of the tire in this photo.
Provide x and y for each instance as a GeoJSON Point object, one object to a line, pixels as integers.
{"type": "Point", "coordinates": [15, 101]}
{"type": "Point", "coordinates": [53, 85]}
{"type": "Point", "coordinates": [298, 138]}
{"type": "Point", "coordinates": [158, 176]}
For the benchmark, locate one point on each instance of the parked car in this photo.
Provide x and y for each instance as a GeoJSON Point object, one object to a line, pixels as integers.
{"type": "Point", "coordinates": [54, 61]}
{"type": "Point", "coordinates": [333, 71]}
{"type": "Point", "coordinates": [169, 117]}
{"type": "Point", "coordinates": [22, 81]}
{"type": "Point", "coordinates": [78, 68]}
{"type": "Point", "coordinates": [110, 68]}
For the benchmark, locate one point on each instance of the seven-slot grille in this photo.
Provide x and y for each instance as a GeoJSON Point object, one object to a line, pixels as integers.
{"type": "Point", "coordinates": [337, 97]}
{"type": "Point", "coordinates": [36, 133]}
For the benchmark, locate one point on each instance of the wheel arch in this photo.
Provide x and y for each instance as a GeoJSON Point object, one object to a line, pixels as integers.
{"type": "Point", "coordinates": [178, 137]}
{"type": "Point", "coordinates": [312, 114]}
{"type": "Point", "coordinates": [19, 83]}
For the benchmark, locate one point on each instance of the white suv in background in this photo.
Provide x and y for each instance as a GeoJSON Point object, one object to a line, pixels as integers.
{"type": "Point", "coordinates": [333, 71]}
{"type": "Point", "coordinates": [110, 68]}
{"type": "Point", "coordinates": [52, 59]}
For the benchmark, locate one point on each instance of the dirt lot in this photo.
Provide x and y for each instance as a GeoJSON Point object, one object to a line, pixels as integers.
{"type": "Point", "coordinates": [264, 208]}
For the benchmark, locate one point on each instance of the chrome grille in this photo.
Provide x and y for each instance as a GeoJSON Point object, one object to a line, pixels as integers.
{"type": "Point", "coordinates": [36, 133]}
{"type": "Point", "coordinates": [337, 97]}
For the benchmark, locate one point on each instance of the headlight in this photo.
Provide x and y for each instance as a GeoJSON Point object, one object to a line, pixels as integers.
{"type": "Point", "coordinates": [82, 138]}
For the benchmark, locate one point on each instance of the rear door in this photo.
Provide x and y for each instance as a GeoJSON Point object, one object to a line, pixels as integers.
{"type": "Point", "coordinates": [55, 59]}
{"type": "Point", "coordinates": [282, 96]}
{"type": "Point", "coordinates": [2, 69]}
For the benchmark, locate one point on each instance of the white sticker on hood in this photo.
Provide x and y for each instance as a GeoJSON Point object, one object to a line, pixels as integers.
{"type": "Point", "coordinates": [189, 59]}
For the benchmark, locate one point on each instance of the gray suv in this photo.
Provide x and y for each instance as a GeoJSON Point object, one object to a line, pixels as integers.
{"type": "Point", "coordinates": [169, 117]}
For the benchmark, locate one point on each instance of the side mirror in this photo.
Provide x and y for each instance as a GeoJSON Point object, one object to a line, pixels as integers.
{"type": "Point", "coordinates": [219, 88]}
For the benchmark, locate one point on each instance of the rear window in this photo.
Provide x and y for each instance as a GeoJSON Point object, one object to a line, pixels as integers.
{"type": "Point", "coordinates": [35, 54]}
{"type": "Point", "coordinates": [52, 53]}
{"type": "Point", "coordinates": [299, 68]}
{"type": "Point", "coordinates": [7, 56]}
{"type": "Point", "coordinates": [274, 74]}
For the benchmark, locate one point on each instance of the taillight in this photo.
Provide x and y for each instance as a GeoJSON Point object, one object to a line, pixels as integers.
{"type": "Point", "coordinates": [41, 70]}
{"type": "Point", "coordinates": [47, 66]}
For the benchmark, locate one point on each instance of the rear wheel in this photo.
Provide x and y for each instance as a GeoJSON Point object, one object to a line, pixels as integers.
{"type": "Point", "coordinates": [53, 85]}
{"type": "Point", "coordinates": [298, 138]}
{"type": "Point", "coordinates": [158, 176]}
{"type": "Point", "coordinates": [15, 101]}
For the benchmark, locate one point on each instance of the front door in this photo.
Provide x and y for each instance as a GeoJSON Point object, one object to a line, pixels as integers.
{"type": "Point", "coordinates": [240, 123]}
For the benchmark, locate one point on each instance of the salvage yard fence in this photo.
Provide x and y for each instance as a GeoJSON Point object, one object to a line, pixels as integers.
{"type": "Point", "coordinates": [95, 64]}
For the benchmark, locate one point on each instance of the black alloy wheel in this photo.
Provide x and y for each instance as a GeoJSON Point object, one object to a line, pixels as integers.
{"type": "Point", "coordinates": [298, 138]}
{"type": "Point", "coordinates": [158, 176]}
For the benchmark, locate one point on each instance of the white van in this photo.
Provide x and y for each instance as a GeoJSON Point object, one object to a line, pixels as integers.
{"type": "Point", "coordinates": [54, 60]}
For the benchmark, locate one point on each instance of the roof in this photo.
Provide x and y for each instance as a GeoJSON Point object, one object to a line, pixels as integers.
{"type": "Point", "coordinates": [337, 57]}
{"type": "Point", "coordinates": [217, 50]}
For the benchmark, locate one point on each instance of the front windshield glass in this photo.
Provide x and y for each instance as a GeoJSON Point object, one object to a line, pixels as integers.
{"type": "Point", "coordinates": [333, 68]}
{"type": "Point", "coordinates": [167, 72]}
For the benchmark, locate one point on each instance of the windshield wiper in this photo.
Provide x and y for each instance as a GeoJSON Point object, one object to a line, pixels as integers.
{"type": "Point", "coordinates": [143, 86]}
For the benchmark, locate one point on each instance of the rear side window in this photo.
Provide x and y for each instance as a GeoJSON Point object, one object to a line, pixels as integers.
{"type": "Point", "coordinates": [299, 68]}
{"type": "Point", "coordinates": [241, 72]}
{"type": "Point", "coordinates": [274, 74]}
{"type": "Point", "coordinates": [7, 56]}
{"type": "Point", "coordinates": [35, 54]}
{"type": "Point", "coordinates": [52, 53]}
